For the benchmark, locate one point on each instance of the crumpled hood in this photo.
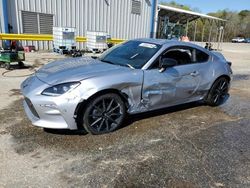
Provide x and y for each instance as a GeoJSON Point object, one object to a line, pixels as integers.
{"type": "Point", "coordinates": [75, 69]}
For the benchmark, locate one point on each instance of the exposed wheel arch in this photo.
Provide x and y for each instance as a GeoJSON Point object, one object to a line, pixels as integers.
{"type": "Point", "coordinates": [82, 105]}
{"type": "Point", "coordinates": [224, 75]}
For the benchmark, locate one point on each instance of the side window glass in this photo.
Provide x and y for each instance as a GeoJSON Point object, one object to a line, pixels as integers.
{"type": "Point", "coordinates": [201, 57]}
{"type": "Point", "coordinates": [156, 64]}
{"type": "Point", "coordinates": [181, 55]}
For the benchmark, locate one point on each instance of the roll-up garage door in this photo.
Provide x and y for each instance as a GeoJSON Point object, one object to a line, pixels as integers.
{"type": "Point", "coordinates": [46, 23]}
{"type": "Point", "coordinates": [30, 22]}
{"type": "Point", "coordinates": [38, 23]}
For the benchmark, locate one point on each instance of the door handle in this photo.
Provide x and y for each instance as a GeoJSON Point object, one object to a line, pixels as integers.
{"type": "Point", "coordinates": [195, 73]}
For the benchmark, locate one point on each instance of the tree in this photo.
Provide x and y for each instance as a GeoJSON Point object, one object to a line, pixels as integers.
{"type": "Point", "coordinates": [176, 5]}
{"type": "Point", "coordinates": [238, 23]}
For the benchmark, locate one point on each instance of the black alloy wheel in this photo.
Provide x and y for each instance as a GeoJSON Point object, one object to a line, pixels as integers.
{"type": "Point", "coordinates": [104, 114]}
{"type": "Point", "coordinates": [218, 92]}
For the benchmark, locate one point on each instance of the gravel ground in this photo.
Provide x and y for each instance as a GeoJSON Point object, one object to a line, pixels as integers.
{"type": "Point", "coordinates": [185, 146]}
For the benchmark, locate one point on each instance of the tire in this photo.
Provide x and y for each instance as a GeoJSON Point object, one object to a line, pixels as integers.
{"type": "Point", "coordinates": [2, 64]}
{"type": "Point", "coordinates": [7, 66]}
{"type": "Point", "coordinates": [20, 64]}
{"type": "Point", "coordinates": [104, 114]}
{"type": "Point", "coordinates": [218, 92]}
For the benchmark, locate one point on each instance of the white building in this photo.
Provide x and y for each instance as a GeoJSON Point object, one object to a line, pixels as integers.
{"type": "Point", "coordinates": [123, 19]}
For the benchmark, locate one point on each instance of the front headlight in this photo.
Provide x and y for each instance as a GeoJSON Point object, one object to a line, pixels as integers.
{"type": "Point", "coordinates": [60, 89]}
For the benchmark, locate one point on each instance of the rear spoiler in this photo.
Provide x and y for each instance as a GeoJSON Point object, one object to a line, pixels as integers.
{"type": "Point", "coordinates": [229, 63]}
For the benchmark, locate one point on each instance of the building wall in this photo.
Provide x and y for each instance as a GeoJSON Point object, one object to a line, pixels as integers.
{"type": "Point", "coordinates": [111, 16]}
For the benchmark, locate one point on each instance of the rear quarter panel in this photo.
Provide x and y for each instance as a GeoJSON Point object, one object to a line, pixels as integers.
{"type": "Point", "coordinates": [219, 67]}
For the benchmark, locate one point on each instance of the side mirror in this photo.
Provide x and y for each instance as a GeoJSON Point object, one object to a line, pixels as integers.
{"type": "Point", "coordinates": [167, 62]}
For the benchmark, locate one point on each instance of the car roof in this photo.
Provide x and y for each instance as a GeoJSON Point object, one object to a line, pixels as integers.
{"type": "Point", "coordinates": [155, 41]}
{"type": "Point", "coordinates": [169, 42]}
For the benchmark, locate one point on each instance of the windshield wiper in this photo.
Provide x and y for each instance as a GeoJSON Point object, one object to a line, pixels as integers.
{"type": "Point", "coordinates": [130, 66]}
{"type": "Point", "coordinates": [105, 61]}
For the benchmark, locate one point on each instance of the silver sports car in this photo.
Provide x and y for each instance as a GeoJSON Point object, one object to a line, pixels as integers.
{"type": "Point", "coordinates": [95, 94]}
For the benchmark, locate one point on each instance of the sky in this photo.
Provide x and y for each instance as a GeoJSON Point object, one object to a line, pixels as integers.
{"type": "Point", "coordinates": [206, 6]}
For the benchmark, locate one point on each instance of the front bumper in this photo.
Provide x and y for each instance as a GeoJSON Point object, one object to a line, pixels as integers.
{"type": "Point", "coordinates": [53, 121]}
{"type": "Point", "coordinates": [47, 111]}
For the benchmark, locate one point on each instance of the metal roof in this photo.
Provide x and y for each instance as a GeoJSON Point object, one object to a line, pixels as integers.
{"type": "Point", "coordinates": [177, 14]}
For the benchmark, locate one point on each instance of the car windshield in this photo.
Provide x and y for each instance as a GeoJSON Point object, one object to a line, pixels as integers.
{"type": "Point", "coordinates": [133, 54]}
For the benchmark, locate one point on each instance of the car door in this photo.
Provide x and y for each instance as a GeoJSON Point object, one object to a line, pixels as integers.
{"type": "Point", "coordinates": [176, 84]}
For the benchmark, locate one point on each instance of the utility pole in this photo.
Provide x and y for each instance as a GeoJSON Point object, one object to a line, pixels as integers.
{"type": "Point", "coordinates": [187, 27]}
{"type": "Point", "coordinates": [195, 29]}
{"type": "Point", "coordinates": [220, 37]}
{"type": "Point", "coordinates": [154, 15]}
